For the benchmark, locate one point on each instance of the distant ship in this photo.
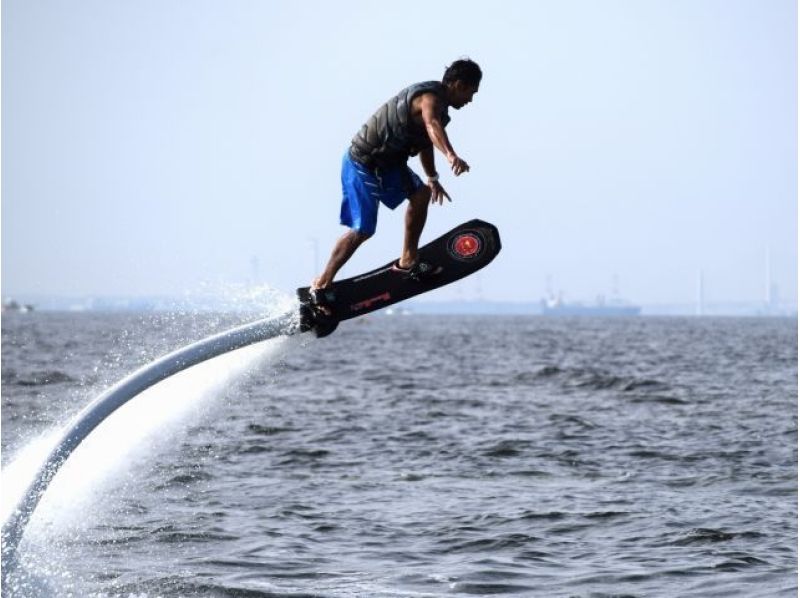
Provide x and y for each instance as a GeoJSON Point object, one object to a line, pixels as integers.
{"type": "Point", "coordinates": [555, 306]}
{"type": "Point", "coordinates": [397, 311]}
{"type": "Point", "coordinates": [11, 305]}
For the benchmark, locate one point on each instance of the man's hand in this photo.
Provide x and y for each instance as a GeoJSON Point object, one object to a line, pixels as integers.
{"type": "Point", "coordinates": [457, 165]}
{"type": "Point", "coordinates": [437, 192]}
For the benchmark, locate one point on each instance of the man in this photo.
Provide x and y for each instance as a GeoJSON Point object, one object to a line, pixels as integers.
{"type": "Point", "coordinates": [375, 169]}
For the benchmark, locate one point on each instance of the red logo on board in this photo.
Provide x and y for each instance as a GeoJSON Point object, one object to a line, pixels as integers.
{"type": "Point", "coordinates": [466, 246]}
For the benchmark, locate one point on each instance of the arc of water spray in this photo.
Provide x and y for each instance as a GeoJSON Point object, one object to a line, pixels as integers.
{"type": "Point", "coordinates": [119, 394]}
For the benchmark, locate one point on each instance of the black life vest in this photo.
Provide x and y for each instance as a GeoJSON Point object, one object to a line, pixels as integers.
{"type": "Point", "coordinates": [391, 136]}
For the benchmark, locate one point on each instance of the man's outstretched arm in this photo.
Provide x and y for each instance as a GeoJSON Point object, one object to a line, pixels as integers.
{"type": "Point", "coordinates": [429, 103]}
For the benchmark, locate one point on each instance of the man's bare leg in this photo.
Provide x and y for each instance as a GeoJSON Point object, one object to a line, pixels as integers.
{"type": "Point", "coordinates": [416, 215]}
{"type": "Point", "coordinates": [343, 250]}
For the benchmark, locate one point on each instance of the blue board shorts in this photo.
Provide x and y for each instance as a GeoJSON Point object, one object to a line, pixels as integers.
{"type": "Point", "coordinates": [363, 189]}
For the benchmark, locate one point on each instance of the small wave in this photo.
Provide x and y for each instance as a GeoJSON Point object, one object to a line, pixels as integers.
{"type": "Point", "coordinates": [531, 473]}
{"type": "Point", "coordinates": [507, 448]}
{"type": "Point", "coordinates": [172, 535]}
{"type": "Point", "coordinates": [572, 420]}
{"type": "Point", "coordinates": [549, 370]}
{"type": "Point", "coordinates": [740, 563]}
{"type": "Point", "coordinates": [189, 478]}
{"type": "Point", "coordinates": [299, 511]}
{"type": "Point", "coordinates": [537, 556]}
{"type": "Point", "coordinates": [664, 400]}
{"type": "Point", "coordinates": [39, 378]}
{"type": "Point", "coordinates": [268, 430]}
{"type": "Point", "coordinates": [591, 378]}
{"type": "Point", "coordinates": [121, 539]}
{"type": "Point", "coordinates": [181, 480]}
{"type": "Point", "coordinates": [300, 456]}
{"type": "Point", "coordinates": [605, 515]}
{"type": "Point", "coordinates": [710, 536]}
{"type": "Point", "coordinates": [644, 384]}
{"type": "Point", "coordinates": [253, 449]}
{"type": "Point", "coordinates": [183, 586]}
{"type": "Point", "coordinates": [485, 589]}
{"type": "Point", "coordinates": [489, 544]}
{"type": "Point", "coordinates": [597, 380]}
{"type": "Point", "coordinates": [549, 516]}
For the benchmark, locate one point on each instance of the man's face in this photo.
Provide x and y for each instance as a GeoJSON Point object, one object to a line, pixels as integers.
{"type": "Point", "coordinates": [462, 94]}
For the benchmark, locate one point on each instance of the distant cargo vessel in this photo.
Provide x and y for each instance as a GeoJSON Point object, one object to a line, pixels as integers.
{"type": "Point", "coordinates": [555, 306]}
{"type": "Point", "coordinates": [11, 305]}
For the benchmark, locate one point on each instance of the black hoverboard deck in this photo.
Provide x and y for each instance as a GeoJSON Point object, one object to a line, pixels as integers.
{"type": "Point", "coordinates": [461, 252]}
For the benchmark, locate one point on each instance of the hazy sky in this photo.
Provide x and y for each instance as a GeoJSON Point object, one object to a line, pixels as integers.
{"type": "Point", "coordinates": [152, 146]}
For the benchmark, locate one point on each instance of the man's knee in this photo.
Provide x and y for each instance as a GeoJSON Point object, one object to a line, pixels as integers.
{"type": "Point", "coordinates": [421, 195]}
{"type": "Point", "coordinates": [357, 237]}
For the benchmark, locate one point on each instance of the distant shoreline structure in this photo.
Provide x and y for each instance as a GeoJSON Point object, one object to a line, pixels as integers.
{"type": "Point", "coordinates": [555, 306]}
{"type": "Point", "coordinates": [212, 303]}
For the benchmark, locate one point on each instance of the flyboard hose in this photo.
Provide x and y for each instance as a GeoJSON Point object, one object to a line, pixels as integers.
{"type": "Point", "coordinates": [119, 394]}
{"type": "Point", "coordinates": [461, 252]}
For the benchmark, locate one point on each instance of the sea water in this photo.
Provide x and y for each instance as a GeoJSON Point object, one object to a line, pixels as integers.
{"type": "Point", "coordinates": [413, 456]}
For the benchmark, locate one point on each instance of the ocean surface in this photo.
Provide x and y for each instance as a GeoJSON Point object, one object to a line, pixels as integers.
{"type": "Point", "coordinates": [412, 456]}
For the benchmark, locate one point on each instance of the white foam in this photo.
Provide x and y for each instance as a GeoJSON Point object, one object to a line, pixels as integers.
{"type": "Point", "coordinates": [138, 433]}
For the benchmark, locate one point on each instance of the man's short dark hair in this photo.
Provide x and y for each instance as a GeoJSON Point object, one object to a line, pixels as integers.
{"type": "Point", "coordinates": [464, 70]}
